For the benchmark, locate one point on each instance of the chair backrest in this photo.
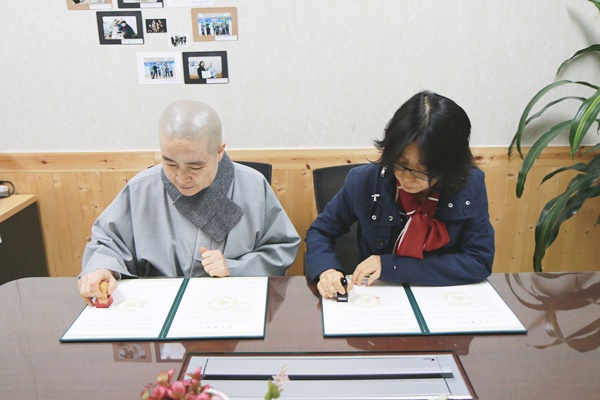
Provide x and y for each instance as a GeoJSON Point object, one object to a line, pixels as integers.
{"type": "Point", "coordinates": [327, 182]}
{"type": "Point", "coordinates": [264, 168]}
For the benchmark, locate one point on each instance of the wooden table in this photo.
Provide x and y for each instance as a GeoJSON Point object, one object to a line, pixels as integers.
{"type": "Point", "coordinates": [558, 359]}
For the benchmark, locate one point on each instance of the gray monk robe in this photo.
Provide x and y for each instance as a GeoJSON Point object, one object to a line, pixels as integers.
{"type": "Point", "coordinates": [150, 229]}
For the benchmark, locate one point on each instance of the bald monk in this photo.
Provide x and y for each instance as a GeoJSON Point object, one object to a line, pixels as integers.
{"type": "Point", "coordinates": [197, 214]}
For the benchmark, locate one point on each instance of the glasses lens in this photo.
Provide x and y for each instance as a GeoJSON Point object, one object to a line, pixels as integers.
{"type": "Point", "coordinates": [420, 175]}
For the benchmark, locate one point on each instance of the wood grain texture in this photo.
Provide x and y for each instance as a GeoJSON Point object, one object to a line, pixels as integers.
{"type": "Point", "coordinates": [73, 188]}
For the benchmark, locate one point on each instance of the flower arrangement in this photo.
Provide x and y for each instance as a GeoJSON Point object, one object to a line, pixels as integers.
{"type": "Point", "coordinates": [192, 389]}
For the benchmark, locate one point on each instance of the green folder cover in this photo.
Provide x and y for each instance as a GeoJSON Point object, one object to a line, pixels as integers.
{"type": "Point", "coordinates": [177, 309]}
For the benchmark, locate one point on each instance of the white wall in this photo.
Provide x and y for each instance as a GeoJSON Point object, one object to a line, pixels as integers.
{"type": "Point", "coordinates": [303, 74]}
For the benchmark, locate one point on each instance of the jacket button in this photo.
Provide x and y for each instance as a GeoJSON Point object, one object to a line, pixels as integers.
{"type": "Point", "coordinates": [468, 202]}
{"type": "Point", "coordinates": [450, 205]}
{"type": "Point", "coordinates": [373, 217]}
{"type": "Point", "coordinates": [391, 217]}
{"type": "Point", "coordinates": [379, 243]}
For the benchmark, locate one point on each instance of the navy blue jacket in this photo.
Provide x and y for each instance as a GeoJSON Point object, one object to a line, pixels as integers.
{"type": "Point", "coordinates": [466, 259]}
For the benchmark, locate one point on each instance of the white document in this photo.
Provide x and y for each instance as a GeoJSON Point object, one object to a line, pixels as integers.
{"type": "Point", "coordinates": [139, 310]}
{"type": "Point", "coordinates": [465, 308]}
{"type": "Point", "coordinates": [228, 307]}
{"type": "Point", "coordinates": [380, 309]}
{"type": "Point", "coordinates": [155, 309]}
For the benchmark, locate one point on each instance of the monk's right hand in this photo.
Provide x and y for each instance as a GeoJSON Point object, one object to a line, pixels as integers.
{"type": "Point", "coordinates": [89, 284]}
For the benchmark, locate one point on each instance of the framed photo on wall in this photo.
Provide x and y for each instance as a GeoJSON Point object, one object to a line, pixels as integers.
{"type": "Point", "coordinates": [120, 27]}
{"type": "Point", "coordinates": [159, 68]}
{"type": "Point", "coordinates": [156, 25]}
{"type": "Point", "coordinates": [215, 24]}
{"type": "Point", "coordinates": [140, 3]}
{"type": "Point", "coordinates": [89, 4]}
{"type": "Point", "coordinates": [205, 67]}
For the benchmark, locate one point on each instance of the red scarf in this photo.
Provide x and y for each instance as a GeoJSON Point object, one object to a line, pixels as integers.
{"type": "Point", "coordinates": [422, 232]}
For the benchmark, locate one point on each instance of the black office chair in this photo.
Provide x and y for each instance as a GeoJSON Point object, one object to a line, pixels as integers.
{"type": "Point", "coordinates": [264, 168]}
{"type": "Point", "coordinates": [327, 182]}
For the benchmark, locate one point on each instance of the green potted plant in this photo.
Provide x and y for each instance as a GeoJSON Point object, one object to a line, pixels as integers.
{"type": "Point", "coordinates": [585, 185]}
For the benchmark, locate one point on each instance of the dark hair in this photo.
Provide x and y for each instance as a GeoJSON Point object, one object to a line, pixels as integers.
{"type": "Point", "coordinates": [441, 130]}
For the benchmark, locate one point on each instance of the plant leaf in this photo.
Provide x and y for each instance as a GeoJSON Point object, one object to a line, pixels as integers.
{"type": "Point", "coordinates": [594, 47]}
{"type": "Point", "coordinates": [547, 106]}
{"type": "Point", "coordinates": [585, 117]}
{"type": "Point", "coordinates": [536, 150]}
{"type": "Point", "coordinates": [559, 209]}
{"type": "Point", "coordinates": [524, 117]}
{"type": "Point", "coordinates": [581, 167]}
{"type": "Point", "coordinates": [596, 3]}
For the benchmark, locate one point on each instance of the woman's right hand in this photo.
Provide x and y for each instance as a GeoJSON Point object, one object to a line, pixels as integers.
{"type": "Point", "coordinates": [330, 283]}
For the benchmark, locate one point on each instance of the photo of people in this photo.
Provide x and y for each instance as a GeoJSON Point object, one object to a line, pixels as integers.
{"type": "Point", "coordinates": [179, 40]}
{"type": "Point", "coordinates": [206, 67]}
{"type": "Point", "coordinates": [140, 3]}
{"type": "Point", "coordinates": [120, 27]}
{"type": "Point", "coordinates": [159, 68]}
{"type": "Point", "coordinates": [214, 24]}
{"type": "Point", "coordinates": [156, 25]}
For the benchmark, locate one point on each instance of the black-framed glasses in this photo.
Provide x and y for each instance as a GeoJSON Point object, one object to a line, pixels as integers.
{"type": "Point", "coordinates": [417, 174]}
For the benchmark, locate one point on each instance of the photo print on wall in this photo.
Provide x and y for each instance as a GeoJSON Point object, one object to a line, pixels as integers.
{"type": "Point", "coordinates": [205, 67]}
{"type": "Point", "coordinates": [156, 25]}
{"type": "Point", "coordinates": [159, 68]}
{"type": "Point", "coordinates": [120, 27]}
{"type": "Point", "coordinates": [215, 24]}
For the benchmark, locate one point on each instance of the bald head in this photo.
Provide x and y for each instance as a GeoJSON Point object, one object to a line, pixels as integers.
{"type": "Point", "coordinates": [191, 120]}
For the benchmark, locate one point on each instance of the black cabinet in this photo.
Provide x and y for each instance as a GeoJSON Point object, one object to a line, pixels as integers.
{"type": "Point", "coordinates": [22, 251]}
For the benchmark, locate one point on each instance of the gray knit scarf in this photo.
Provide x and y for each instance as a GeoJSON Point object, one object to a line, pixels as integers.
{"type": "Point", "coordinates": [209, 210]}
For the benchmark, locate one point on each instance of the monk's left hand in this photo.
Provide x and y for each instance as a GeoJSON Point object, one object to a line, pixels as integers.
{"type": "Point", "coordinates": [214, 263]}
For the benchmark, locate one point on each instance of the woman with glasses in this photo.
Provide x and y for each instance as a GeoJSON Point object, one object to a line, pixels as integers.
{"type": "Point", "coordinates": [422, 208]}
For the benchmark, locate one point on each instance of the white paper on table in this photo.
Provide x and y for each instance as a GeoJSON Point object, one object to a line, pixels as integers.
{"type": "Point", "coordinates": [229, 307]}
{"type": "Point", "coordinates": [465, 308]}
{"type": "Point", "coordinates": [139, 310]}
{"type": "Point", "coordinates": [380, 309]}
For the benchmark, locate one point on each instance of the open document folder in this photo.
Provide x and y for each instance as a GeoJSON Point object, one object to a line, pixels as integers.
{"type": "Point", "coordinates": [392, 309]}
{"type": "Point", "coordinates": [177, 308]}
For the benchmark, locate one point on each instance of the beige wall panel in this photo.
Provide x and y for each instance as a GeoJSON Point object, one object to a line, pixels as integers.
{"type": "Point", "coordinates": [73, 188]}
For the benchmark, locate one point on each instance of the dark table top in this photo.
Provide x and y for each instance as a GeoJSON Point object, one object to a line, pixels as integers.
{"type": "Point", "coordinates": [558, 359]}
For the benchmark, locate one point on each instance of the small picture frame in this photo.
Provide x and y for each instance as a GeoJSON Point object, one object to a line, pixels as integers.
{"type": "Point", "coordinates": [215, 24]}
{"type": "Point", "coordinates": [160, 68]}
{"type": "Point", "coordinates": [89, 4]}
{"type": "Point", "coordinates": [120, 27]}
{"type": "Point", "coordinates": [140, 3]}
{"type": "Point", "coordinates": [132, 352]}
{"type": "Point", "coordinates": [205, 67]}
{"type": "Point", "coordinates": [156, 25]}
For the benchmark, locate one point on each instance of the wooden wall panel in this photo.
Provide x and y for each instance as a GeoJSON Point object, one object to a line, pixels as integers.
{"type": "Point", "coordinates": [74, 188]}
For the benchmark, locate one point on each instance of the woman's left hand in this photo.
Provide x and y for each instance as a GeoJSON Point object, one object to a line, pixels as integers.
{"type": "Point", "coordinates": [370, 266]}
